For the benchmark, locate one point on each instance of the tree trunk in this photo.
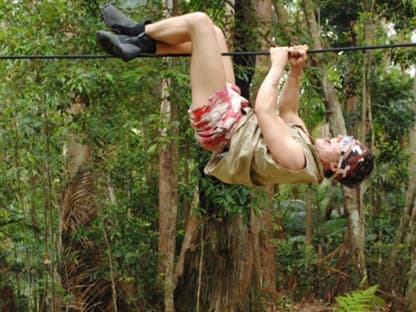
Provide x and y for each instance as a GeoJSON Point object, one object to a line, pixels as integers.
{"type": "Point", "coordinates": [333, 107]}
{"type": "Point", "coordinates": [168, 201]}
{"type": "Point", "coordinates": [168, 187]}
{"type": "Point", "coordinates": [216, 266]}
{"type": "Point", "coordinates": [353, 209]}
{"type": "Point", "coordinates": [264, 273]}
{"type": "Point", "coordinates": [398, 265]}
{"type": "Point", "coordinates": [244, 66]}
{"type": "Point", "coordinates": [7, 299]}
{"type": "Point", "coordinates": [216, 269]}
{"type": "Point", "coordinates": [410, 215]}
{"type": "Point", "coordinates": [281, 14]}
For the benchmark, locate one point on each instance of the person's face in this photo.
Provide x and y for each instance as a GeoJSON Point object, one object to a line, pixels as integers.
{"type": "Point", "coordinates": [329, 151]}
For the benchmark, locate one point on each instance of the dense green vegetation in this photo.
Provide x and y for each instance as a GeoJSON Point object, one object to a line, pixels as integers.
{"type": "Point", "coordinates": [121, 123]}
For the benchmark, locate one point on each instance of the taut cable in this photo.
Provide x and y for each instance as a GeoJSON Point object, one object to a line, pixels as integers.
{"type": "Point", "coordinates": [243, 53]}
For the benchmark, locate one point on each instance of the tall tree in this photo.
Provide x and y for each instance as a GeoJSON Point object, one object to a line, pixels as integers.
{"type": "Point", "coordinates": [410, 215]}
{"type": "Point", "coordinates": [354, 238]}
{"type": "Point", "coordinates": [7, 303]}
{"type": "Point", "coordinates": [168, 182]}
{"type": "Point", "coordinates": [264, 255]}
{"type": "Point", "coordinates": [216, 270]}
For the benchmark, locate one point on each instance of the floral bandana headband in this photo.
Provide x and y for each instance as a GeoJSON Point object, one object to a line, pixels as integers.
{"type": "Point", "coordinates": [355, 156]}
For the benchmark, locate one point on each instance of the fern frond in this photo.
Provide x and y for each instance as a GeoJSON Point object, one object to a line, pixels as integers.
{"type": "Point", "coordinates": [360, 300]}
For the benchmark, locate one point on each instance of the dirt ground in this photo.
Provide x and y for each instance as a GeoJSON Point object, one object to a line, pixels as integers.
{"type": "Point", "coordinates": [307, 307]}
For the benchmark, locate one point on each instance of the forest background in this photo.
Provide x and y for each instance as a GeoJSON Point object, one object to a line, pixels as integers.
{"type": "Point", "coordinates": [103, 206]}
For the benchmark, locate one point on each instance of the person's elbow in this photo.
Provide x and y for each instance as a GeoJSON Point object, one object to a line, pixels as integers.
{"type": "Point", "coordinates": [290, 156]}
{"type": "Point", "coordinates": [263, 108]}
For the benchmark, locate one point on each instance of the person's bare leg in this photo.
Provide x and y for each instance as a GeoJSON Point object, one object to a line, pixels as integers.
{"type": "Point", "coordinates": [166, 48]}
{"type": "Point", "coordinates": [207, 67]}
{"type": "Point", "coordinates": [228, 65]}
{"type": "Point", "coordinates": [186, 47]}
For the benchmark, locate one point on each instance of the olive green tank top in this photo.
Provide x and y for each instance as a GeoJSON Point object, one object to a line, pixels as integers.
{"type": "Point", "coordinates": [249, 162]}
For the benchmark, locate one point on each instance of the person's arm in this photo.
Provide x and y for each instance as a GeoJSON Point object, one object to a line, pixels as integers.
{"type": "Point", "coordinates": [289, 98]}
{"type": "Point", "coordinates": [287, 152]}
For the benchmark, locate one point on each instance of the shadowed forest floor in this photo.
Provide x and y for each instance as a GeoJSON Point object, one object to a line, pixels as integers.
{"type": "Point", "coordinates": [314, 306]}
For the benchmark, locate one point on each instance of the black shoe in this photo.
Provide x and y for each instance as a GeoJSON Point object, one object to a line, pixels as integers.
{"type": "Point", "coordinates": [121, 24]}
{"type": "Point", "coordinates": [125, 47]}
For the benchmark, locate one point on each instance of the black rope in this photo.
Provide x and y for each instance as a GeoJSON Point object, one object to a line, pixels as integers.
{"type": "Point", "coordinates": [311, 51]}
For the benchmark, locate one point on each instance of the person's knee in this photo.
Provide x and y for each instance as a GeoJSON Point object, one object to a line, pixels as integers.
{"type": "Point", "coordinates": [200, 19]}
{"type": "Point", "coordinates": [219, 33]}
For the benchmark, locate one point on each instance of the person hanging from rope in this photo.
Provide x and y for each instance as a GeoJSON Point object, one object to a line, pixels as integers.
{"type": "Point", "coordinates": [259, 146]}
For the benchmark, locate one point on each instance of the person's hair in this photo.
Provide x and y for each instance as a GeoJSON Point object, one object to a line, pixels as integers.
{"type": "Point", "coordinates": [359, 164]}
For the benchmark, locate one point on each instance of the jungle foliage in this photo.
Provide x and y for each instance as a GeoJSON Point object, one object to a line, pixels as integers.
{"type": "Point", "coordinates": [121, 123]}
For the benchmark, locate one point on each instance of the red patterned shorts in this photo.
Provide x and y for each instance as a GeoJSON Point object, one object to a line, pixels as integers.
{"type": "Point", "coordinates": [214, 123]}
